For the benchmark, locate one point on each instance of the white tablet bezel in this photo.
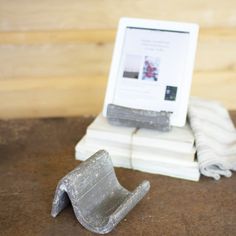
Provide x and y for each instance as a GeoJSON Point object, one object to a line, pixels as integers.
{"type": "Point", "coordinates": [192, 29]}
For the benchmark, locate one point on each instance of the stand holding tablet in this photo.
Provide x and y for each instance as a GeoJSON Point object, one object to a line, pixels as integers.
{"type": "Point", "coordinates": [151, 73]}
{"type": "Point", "coordinates": [130, 117]}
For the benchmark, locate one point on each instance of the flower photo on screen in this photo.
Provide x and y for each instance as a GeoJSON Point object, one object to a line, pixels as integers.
{"type": "Point", "coordinates": [150, 69]}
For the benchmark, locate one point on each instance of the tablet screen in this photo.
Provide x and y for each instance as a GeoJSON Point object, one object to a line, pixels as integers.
{"type": "Point", "coordinates": [151, 69]}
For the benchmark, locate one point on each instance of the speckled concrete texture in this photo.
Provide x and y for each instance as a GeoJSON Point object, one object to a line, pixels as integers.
{"type": "Point", "coordinates": [35, 154]}
{"type": "Point", "coordinates": [129, 117]}
{"type": "Point", "coordinates": [98, 200]}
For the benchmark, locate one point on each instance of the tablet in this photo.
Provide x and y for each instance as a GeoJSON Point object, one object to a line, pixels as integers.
{"type": "Point", "coordinates": [152, 67]}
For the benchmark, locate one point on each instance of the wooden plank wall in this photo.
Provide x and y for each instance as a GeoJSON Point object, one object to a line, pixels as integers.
{"type": "Point", "coordinates": [55, 55]}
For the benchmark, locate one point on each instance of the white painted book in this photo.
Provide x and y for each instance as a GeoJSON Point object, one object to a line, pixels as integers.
{"type": "Point", "coordinates": [151, 151]}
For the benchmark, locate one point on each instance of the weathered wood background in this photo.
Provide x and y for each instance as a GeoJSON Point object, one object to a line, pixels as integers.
{"type": "Point", "coordinates": [55, 55]}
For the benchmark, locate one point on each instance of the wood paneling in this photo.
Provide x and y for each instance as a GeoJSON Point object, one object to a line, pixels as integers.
{"type": "Point", "coordinates": [99, 36]}
{"type": "Point", "coordinates": [17, 61]}
{"type": "Point", "coordinates": [51, 97]}
{"type": "Point", "coordinates": [55, 55]}
{"type": "Point", "coordinates": [77, 14]}
{"type": "Point", "coordinates": [216, 85]}
{"type": "Point", "coordinates": [82, 53]}
{"type": "Point", "coordinates": [40, 97]}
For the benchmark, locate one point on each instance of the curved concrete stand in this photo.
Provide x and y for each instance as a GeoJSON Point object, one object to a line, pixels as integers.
{"type": "Point", "coordinates": [98, 199]}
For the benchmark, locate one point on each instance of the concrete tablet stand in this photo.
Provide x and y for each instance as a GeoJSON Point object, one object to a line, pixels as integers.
{"type": "Point", "coordinates": [98, 200]}
{"type": "Point", "coordinates": [130, 117]}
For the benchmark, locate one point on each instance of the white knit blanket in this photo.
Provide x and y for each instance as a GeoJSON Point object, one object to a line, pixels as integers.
{"type": "Point", "coordinates": [215, 137]}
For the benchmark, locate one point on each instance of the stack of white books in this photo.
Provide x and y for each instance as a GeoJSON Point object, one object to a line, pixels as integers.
{"type": "Point", "coordinates": [167, 153]}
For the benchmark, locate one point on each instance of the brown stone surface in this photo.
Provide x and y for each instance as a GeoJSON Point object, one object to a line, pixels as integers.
{"type": "Point", "coordinates": [35, 154]}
